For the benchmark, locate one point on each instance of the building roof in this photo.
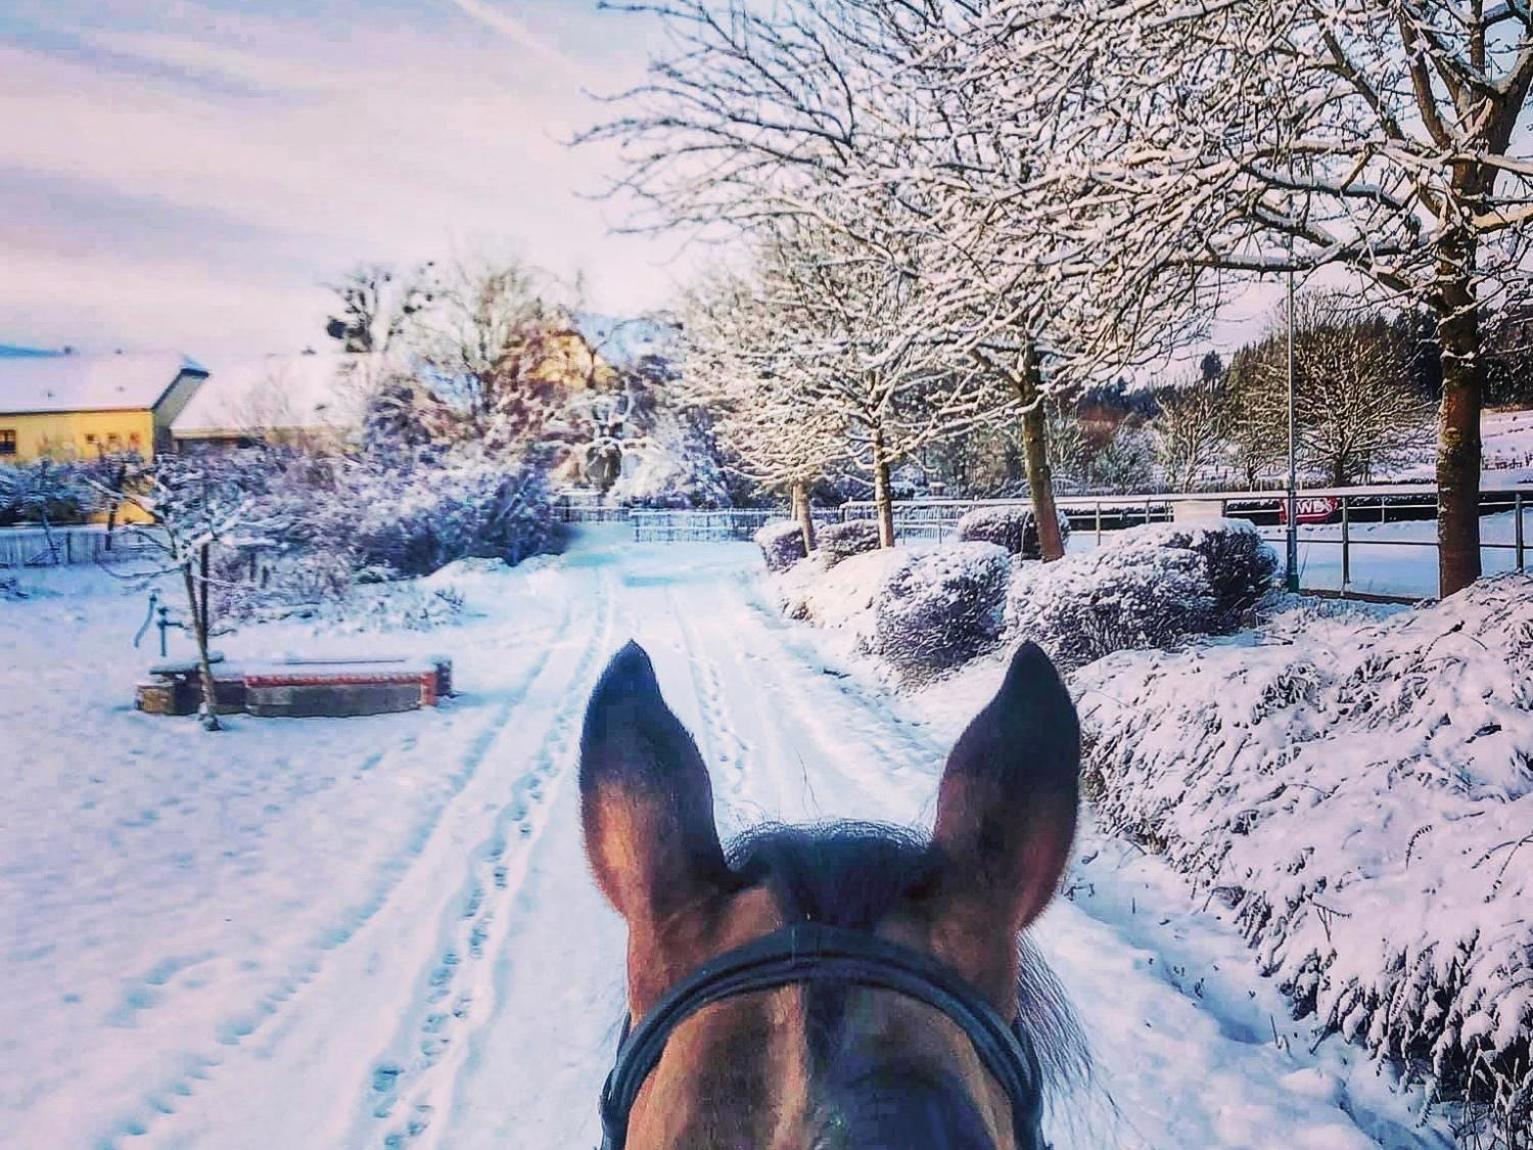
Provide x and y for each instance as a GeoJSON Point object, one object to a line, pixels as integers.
{"type": "Point", "coordinates": [59, 383]}
{"type": "Point", "coordinates": [294, 393]}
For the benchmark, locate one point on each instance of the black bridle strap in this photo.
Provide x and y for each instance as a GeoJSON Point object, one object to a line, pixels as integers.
{"type": "Point", "coordinates": [807, 953]}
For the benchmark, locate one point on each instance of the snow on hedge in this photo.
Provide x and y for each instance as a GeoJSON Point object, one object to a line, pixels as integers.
{"type": "Point", "coordinates": [1150, 587]}
{"type": "Point", "coordinates": [1014, 528]}
{"type": "Point", "coordinates": [781, 543]}
{"type": "Point", "coordinates": [1358, 794]}
{"type": "Point", "coordinates": [939, 608]}
{"type": "Point", "coordinates": [841, 598]}
{"type": "Point", "coordinates": [840, 541]}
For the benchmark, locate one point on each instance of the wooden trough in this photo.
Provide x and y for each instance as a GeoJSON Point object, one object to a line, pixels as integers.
{"type": "Point", "coordinates": [300, 688]}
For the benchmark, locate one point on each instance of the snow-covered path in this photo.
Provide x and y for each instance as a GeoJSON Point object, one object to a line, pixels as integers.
{"type": "Point", "coordinates": [410, 953]}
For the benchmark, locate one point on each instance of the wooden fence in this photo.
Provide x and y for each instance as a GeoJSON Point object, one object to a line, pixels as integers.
{"type": "Point", "coordinates": [66, 546]}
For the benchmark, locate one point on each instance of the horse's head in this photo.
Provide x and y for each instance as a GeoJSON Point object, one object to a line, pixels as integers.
{"type": "Point", "coordinates": [810, 1065]}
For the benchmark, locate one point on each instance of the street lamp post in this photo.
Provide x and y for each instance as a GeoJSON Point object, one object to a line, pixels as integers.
{"type": "Point", "coordinates": [1293, 495]}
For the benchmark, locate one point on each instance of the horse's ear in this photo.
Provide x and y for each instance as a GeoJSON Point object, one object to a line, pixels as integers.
{"type": "Point", "coordinates": [1006, 813]}
{"type": "Point", "coordinates": [646, 802]}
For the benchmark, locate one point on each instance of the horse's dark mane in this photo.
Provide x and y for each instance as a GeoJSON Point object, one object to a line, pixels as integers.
{"type": "Point", "coordinates": [852, 874]}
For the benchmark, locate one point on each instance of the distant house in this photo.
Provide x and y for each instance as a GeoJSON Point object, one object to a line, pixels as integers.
{"type": "Point", "coordinates": [84, 406]}
{"type": "Point", "coordinates": [308, 400]}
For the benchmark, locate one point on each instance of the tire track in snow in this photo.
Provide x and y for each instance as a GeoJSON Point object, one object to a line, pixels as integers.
{"type": "Point", "coordinates": [724, 749]}
{"type": "Point", "coordinates": [265, 1021]}
{"type": "Point", "coordinates": [406, 1093]}
{"type": "Point", "coordinates": [865, 742]}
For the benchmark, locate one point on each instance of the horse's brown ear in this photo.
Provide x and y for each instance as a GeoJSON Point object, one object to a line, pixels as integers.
{"type": "Point", "coordinates": [1006, 813]}
{"type": "Point", "coordinates": [646, 802]}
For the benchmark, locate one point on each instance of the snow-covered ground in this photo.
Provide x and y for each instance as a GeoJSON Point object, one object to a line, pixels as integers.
{"type": "Point", "coordinates": [1506, 439]}
{"type": "Point", "coordinates": [381, 932]}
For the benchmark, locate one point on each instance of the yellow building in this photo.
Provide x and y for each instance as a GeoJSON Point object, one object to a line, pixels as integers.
{"type": "Point", "coordinates": [84, 406]}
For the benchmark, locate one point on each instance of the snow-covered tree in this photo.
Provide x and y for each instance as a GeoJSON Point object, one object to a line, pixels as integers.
{"type": "Point", "coordinates": [863, 116]}
{"type": "Point", "coordinates": [1257, 136]}
{"type": "Point", "coordinates": [1356, 411]}
{"type": "Point", "coordinates": [1189, 430]}
{"type": "Point", "coordinates": [758, 391]}
{"type": "Point", "coordinates": [194, 504]}
{"type": "Point", "coordinates": [46, 492]}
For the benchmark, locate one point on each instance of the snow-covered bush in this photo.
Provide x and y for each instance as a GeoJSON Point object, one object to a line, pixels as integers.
{"type": "Point", "coordinates": [841, 541]}
{"type": "Point", "coordinates": [781, 543]}
{"type": "Point", "coordinates": [1356, 793]}
{"type": "Point", "coordinates": [1087, 606]}
{"type": "Point", "coordinates": [1014, 528]}
{"type": "Point", "coordinates": [333, 524]}
{"type": "Point", "coordinates": [413, 523]}
{"type": "Point", "coordinates": [675, 464]}
{"type": "Point", "coordinates": [939, 608]}
{"type": "Point", "coordinates": [1151, 587]}
{"type": "Point", "coordinates": [44, 491]}
{"type": "Point", "coordinates": [1241, 566]}
{"type": "Point", "coordinates": [404, 606]}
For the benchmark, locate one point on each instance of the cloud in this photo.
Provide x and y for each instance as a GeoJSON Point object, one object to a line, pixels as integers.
{"type": "Point", "coordinates": [240, 160]}
{"type": "Point", "coordinates": [516, 31]}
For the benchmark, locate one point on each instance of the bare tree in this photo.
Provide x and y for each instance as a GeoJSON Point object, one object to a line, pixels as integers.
{"type": "Point", "coordinates": [379, 305]}
{"type": "Point", "coordinates": [1189, 430]}
{"type": "Point", "coordinates": [1355, 409]}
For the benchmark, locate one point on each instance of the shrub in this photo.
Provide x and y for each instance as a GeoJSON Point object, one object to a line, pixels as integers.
{"type": "Point", "coordinates": [1014, 528]}
{"type": "Point", "coordinates": [44, 491]}
{"type": "Point", "coordinates": [782, 544]}
{"type": "Point", "coordinates": [466, 509]}
{"type": "Point", "coordinates": [1152, 587]}
{"type": "Point", "coordinates": [1353, 795]}
{"type": "Point", "coordinates": [1241, 567]}
{"type": "Point", "coordinates": [1088, 606]}
{"type": "Point", "coordinates": [938, 609]}
{"type": "Point", "coordinates": [843, 540]}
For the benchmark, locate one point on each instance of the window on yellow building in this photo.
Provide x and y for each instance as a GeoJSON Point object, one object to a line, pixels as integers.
{"type": "Point", "coordinates": [7, 441]}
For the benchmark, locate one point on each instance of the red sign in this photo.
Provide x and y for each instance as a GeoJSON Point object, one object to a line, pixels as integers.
{"type": "Point", "coordinates": [1311, 509]}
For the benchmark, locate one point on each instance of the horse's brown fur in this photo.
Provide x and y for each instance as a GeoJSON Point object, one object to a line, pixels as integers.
{"type": "Point", "coordinates": [810, 1069]}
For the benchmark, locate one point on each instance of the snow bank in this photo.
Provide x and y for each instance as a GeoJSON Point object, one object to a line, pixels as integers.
{"type": "Point", "coordinates": [1357, 793]}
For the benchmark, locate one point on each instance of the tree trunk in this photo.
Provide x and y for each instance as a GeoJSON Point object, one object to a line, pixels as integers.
{"type": "Point", "coordinates": [883, 495]}
{"type": "Point", "coordinates": [204, 663]}
{"type": "Point", "coordinates": [1458, 448]}
{"type": "Point", "coordinates": [118, 481]}
{"type": "Point", "coordinates": [803, 511]}
{"type": "Point", "coordinates": [1035, 450]}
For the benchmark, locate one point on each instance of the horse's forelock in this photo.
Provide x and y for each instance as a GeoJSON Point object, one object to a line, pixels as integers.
{"type": "Point", "coordinates": [852, 874]}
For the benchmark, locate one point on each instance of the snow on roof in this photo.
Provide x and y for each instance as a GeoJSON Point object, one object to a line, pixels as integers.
{"type": "Point", "coordinates": [320, 392]}
{"type": "Point", "coordinates": [89, 382]}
